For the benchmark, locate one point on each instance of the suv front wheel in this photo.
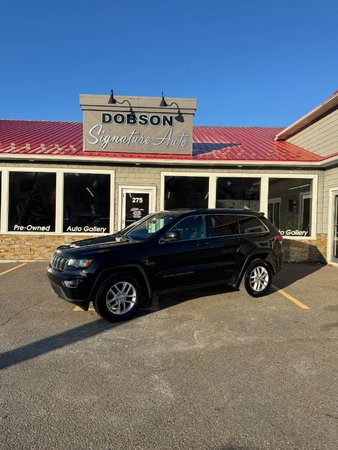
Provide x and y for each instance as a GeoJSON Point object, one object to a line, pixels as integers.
{"type": "Point", "coordinates": [119, 298]}
{"type": "Point", "coordinates": [258, 278]}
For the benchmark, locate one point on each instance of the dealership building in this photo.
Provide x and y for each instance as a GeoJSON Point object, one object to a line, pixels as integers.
{"type": "Point", "coordinates": [63, 181]}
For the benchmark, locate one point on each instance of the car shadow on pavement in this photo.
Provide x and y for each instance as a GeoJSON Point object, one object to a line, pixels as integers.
{"type": "Point", "coordinates": [52, 343]}
{"type": "Point", "coordinates": [292, 272]}
{"type": "Point", "coordinates": [91, 329]}
{"type": "Point", "coordinates": [289, 274]}
{"type": "Point", "coordinates": [164, 301]}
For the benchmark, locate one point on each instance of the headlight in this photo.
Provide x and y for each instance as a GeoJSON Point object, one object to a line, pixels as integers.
{"type": "Point", "coordinates": [79, 263]}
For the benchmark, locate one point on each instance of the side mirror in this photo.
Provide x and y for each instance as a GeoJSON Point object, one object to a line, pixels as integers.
{"type": "Point", "coordinates": [171, 236]}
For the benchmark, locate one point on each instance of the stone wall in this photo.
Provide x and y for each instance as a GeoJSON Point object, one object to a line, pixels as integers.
{"type": "Point", "coordinates": [34, 247]}
{"type": "Point", "coordinates": [26, 248]}
{"type": "Point", "coordinates": [306, 251]}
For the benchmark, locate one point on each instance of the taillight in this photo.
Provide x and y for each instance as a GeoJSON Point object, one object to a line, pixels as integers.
{"type": "Point", "coordinates": [279, 238]}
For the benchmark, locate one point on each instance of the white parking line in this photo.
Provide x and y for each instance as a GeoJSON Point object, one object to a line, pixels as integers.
{"type": "Point", "coordinates": [13, 268]}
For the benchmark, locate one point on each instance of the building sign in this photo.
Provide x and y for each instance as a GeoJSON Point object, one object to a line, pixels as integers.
{"type": "Point", "coordinates": [137, 124]}
{"type": "Point", "coordinates": [297, 233]}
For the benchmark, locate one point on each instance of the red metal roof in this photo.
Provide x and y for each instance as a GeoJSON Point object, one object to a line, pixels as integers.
{"type": "Point", "coordinates": [21, 137]}
{"type": "Point", "coordinates": [249, 143]}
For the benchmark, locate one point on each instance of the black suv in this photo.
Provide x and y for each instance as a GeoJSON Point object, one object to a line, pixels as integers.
{"type": "Point", "coordinates": [171, 250]}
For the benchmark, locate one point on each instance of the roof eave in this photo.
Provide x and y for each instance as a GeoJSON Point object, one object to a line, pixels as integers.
{"type": "Point", "coordinates": [166, 162]}
{"type": "Point", "coordinates": [324, 108]}
{"type": "Point", "coordinates": [329, 162]}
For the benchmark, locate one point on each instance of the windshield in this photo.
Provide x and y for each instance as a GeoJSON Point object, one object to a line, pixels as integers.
{"type": "Point", "coordinates": [148, 226]}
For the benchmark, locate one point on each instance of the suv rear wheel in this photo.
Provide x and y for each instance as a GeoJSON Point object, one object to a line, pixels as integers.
{"type": "Point", "coordinates": [119, 298]}
{"type": "Point", "coordinates": [258, 278]}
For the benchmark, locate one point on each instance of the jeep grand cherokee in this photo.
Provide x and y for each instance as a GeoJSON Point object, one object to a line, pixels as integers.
{"type": "Point", "coordinates": [166, 251]}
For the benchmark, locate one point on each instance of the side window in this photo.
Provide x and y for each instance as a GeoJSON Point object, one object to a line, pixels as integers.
{"type": "Point", "coordinates": [191, 228]}
{"type": "Point", "coordinates": [251, 224]}
{"type": "Point", "coordinates": [224, 225]}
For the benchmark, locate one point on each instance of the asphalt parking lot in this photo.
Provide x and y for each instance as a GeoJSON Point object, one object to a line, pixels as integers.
{"type": "Point", "coordinates": [213, 370]}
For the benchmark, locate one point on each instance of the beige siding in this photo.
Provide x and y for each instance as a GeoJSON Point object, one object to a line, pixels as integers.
{"type": "Point", "coordinates": [135, 176]}
{"type": "Point", "coordinates": [321, 137]}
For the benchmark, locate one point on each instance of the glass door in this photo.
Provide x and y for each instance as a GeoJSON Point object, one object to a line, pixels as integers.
{"type": "Point", "coordinates": [274, 211]}
{"type": "Point", "coordinates": [335, 229]}
{"type": "Point", "coordinates": [136, 203]}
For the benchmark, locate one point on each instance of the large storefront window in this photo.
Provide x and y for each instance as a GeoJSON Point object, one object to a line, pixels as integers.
{"type": "Point", "coordinates": [186, 192]}
{"type": "Point", "coordinates": [238, 193]}
{"type": "Point", "coordinates": [31, 201]}
{"type": "Point", "coordinates": [290, 201]}
{"type": "Point", "coordinates": [86, 203]}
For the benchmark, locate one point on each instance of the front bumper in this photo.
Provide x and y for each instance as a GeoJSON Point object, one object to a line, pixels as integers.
{"type": "Point", "coordinates": [72, 287]}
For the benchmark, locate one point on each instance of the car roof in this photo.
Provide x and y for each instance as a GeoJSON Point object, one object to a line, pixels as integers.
{"type": "Point", "coordinates": [182, 212]}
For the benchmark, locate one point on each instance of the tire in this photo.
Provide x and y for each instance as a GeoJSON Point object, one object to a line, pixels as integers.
{"type": "Point", "coordinates": [258, 278]}
{"type": "Point", "coordinates": [119, 298]}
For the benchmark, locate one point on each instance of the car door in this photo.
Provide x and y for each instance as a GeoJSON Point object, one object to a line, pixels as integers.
{"type": "Point", "coordinates": [226, 256]}
{"type": "Point", "coordinates": [184, 261]}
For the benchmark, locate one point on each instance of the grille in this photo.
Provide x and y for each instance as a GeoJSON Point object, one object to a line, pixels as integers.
{"type": "Point", "coordinates": [58, 263]}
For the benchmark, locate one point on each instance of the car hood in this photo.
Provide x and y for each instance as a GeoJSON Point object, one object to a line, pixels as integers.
{"type": "Point", "coordinates": [97, 243]}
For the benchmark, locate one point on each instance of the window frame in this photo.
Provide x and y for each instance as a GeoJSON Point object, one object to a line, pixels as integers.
{"type": "Point", "coordinates": [31, 171]}
{"type": "Point", "coordinates": [333, 193]}
{"type": "Point", "coordinates": [181, 174]}
{"type": "Point", "coordinates": [59, 172]}
{"type": "Point", "coordinates": [264, 190]}
{"type": "Point", "coordinates": [314, 201]}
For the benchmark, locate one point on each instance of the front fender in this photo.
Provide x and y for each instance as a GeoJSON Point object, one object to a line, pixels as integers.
{"type": "Point", "coordinates": [135, 269]}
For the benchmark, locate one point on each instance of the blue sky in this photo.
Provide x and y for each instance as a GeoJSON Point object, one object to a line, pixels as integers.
{"type": "Point", "coordinates": [248, 63]}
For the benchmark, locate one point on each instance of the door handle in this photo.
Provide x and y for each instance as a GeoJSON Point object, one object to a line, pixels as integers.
{"type": "Point", "coordinates": [202, 243]}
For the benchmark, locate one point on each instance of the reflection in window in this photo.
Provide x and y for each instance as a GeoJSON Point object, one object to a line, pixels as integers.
{"type": "Point", "coordinates": [86, 206]}
{"type": "Point", "coordinates": [223, 225]}
{"type": "Point", "coordinates": [146, 227]}
{"type": "Point", "coordinates": [238, 193]}
{"type": "Point", "coordinates": [191, 228]}
{"type": "Point", "coordinates": [186, 192]}
{"type": "Point", "coordinates": [289, 207]}
{"type": "Point", "coordinates": [31, 201]}
{"type": "Point", "coordinates": [250, 224]}
{"type": "Point", "coordinates": [274, 211]}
